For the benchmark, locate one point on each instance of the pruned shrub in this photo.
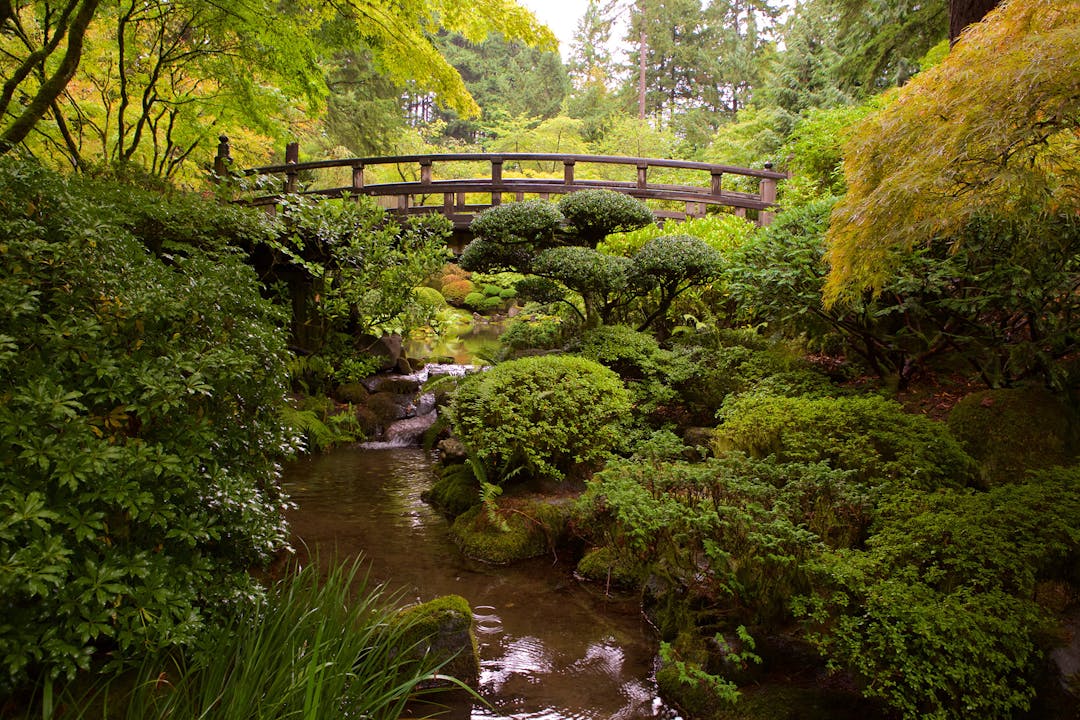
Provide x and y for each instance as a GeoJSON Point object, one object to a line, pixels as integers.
{"type": "Point", "coordinates": [456, 291]}
{"type": "Point", "coordinates": [551, 415]}
{"type": "Point", "coordinates": [869, 435]}
{"type": "Point", "coordinates": [593, 214]}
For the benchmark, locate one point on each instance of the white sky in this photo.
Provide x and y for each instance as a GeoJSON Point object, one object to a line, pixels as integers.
{"type": "Point", "coordinates": [561, 16]}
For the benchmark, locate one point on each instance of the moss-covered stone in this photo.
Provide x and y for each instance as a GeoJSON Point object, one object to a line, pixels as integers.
{"type": "Point", "coordinates": [608, 566]}
{"type": "Point", "coordinates": [1010, 431]}
{"type": "Point", "coordinates": [534, 527]}
{"type": "Point", "coordinates": [354, 393]}
{"type": "Point", "coordinates": [443, 627]}
{"type": "Point", "coordinates": [455, 491]}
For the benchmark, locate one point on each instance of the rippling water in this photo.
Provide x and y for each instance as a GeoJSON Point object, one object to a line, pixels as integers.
{"type": "Point", "coordinates": [549, 648]}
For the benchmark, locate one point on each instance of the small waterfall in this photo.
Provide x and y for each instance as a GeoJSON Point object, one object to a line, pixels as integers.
{"type": "Point", "coordinates": [403, 433]}
{"type": "Point", "coordinates": [419, 409]}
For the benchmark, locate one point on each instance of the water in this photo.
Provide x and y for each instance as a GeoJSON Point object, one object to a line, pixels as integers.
{"type": "Point", "coordinates": [550, 648]}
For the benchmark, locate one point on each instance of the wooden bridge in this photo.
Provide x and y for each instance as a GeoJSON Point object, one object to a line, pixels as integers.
{"type": "Point", "coordinates": [459, 199]}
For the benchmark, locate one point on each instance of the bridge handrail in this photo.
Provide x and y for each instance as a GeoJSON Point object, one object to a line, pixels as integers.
{"type": "Point", "coordinates": [497, 184]}
{"type": "Point", "coordinates": [714, 168]}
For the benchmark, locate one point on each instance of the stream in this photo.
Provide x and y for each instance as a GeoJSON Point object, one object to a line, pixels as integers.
{"type": "Point", "coordinates": [550, 648]}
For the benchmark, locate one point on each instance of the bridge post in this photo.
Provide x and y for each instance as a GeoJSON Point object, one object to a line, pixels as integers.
{"type": "Point", "coordinates": [222, 160]}
{"type": "Point", "coordinates": [496, 180]}
{"type": "Point", "coordinates": [767, 191]}
{"type": "Point", "coordinates": [358, 176]}
{"type": "Point", "coordinates": [568, 172]}
{"type": "Point", "coordinates": [292, 157]}
{"type": "Point", "coordinates": [425, 171]}
{"type": "Point", "coordinates": [642, 175]}
{"type": "Point", "coordinates": [714, 187]}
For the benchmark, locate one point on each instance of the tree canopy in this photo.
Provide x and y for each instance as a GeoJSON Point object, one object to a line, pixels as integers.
{"type": "Point", "coordinates": [992, 130]}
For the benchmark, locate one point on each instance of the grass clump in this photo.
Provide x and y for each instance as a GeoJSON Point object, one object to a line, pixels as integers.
{"type": "Point", "coordinates": [315, 647]}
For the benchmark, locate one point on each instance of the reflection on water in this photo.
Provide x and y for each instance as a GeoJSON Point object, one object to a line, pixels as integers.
{"type": "Point", "coordinates": [549, 648]}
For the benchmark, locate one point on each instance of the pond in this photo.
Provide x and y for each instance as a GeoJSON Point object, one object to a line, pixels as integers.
{"type": "Point", "coordinates": [550, 647]}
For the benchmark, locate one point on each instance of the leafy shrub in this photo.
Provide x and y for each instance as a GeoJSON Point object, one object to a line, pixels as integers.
{"type": "Point", "coordinates": [532, 221]}
{"type": "Point", "coordinates": [455, 292]}
{"type": "Point", "coordinates": [596, 277]}
{"type": "Point", "coordinates": [868, 435]}
{"type": "Point", "coordinates": [669, 266]}
{"type": "Point", "coordinates": [592, 214]}
{"type": "Point", "coordinates": [533, 331]}
{"type": "Point", "coordinates": [1011, 431]}
{"type": "Point", "coordinates": [721, 231]}
{"type": "Point", "coordinates": [936, 613]}
{"type": "Point", "coordinates": [630, 353]}
{"type": "Point", "coordinates": [139, 430]}
{"type": "Point", "coordinates": [429, 297]}
{"type": "Point", "coordinates": [728, 536]}
{"type": "Point", "coordinates": [552, 415]}
{"type": "Point", "coordinates": [352, 269]}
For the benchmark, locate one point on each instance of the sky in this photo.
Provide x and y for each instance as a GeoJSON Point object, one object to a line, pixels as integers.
{"type": "Point", "coordinates": [561, 16]}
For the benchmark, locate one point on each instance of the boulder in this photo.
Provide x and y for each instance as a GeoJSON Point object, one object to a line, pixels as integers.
{"type": "Point", "coordinates": [443, 628]}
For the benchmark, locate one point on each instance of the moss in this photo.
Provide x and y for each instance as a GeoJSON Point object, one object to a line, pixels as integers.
{"type": "Point", "coordinates": [354, 393]}
{"type": "Point", "coordinates": [1011, 431]}
{"type": "Point", "coordinates": [535, 527]}
{"type": "Point", "coordinates": [607, 565]}
{"type": "Point", "coordinates": [383, 408]}
{"type": "Point", "coordinates": [444, 627]}
{"type": "Point", "coordinates": [455, 491]}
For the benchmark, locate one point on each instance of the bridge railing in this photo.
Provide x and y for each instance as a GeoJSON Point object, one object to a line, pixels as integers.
{"type": "Point", "coordinates": [461, 198]}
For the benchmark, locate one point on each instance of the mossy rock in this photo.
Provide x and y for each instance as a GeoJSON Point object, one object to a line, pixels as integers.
{"type": "Point", "coordinates": [443, 627]}
{"type": "Point", "coordinates": [385, 408]}
{"type": "Point", "coordinates": [534, 527]}
{"type": "Point", "coordinates": [606, 565]}
{"type": "Point", "coordinates": [455, 491]}
{"type": "Point", "coordinates": [1011, 431]}
{"type": "Point", "coordinates": [778, 701]}
{"type": "Point", "coordinates": [354, 393]}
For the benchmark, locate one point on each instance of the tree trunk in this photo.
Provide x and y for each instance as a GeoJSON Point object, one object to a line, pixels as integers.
{"type": "Point", "coordinates": [965, 12]}
{"type": "Point", "coordinates": [55, 84]}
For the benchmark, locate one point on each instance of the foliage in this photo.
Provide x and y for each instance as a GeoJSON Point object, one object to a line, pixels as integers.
{"type": "Point", "coordinates": [321, 423]}
{"type": "Point", "coordinates": [1014, 430]}
{"type": "Point", "coordinates": [533, 330]}
{"type": "Point", "coordinates": [552, 415]}
{"type": "Point", "coordinates": [960, 143]}
{"type": "Point", "coordinates": [815, 147]}
{"type": "Point", "coordinates": [881, 42]}
{"type": "Point", "coordinates": [352, 269]}
{"type": "Point", "coordinates": [139, 429]}
{"type": "Point", "coordinates": [936, 613]}
{"type": "Point", "coordinates": [182, 70]}
{"type": "Point", "coordinates": [669, 266]}
{"type": "Point", "coordinates": [506, 236]}
{"type": "Point", "coordinates": [506, 79]}
{"type": "Point", "coordinates": [594, 214]}
{"type": "Point", "coordinates": [1005, 311]}
{"type": "Point", "coordinates": [598, 278]}
{"type": "Point", "coordinates": [323, 642]}
{"type": "Point", "coordinates": [721, 231]}
{"type": "Point", "coordinates": [869, 436]}
{"type": "Point", "coordinates": [630, 353]}
{"type": "Point", "coordinates": [728, 536]}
